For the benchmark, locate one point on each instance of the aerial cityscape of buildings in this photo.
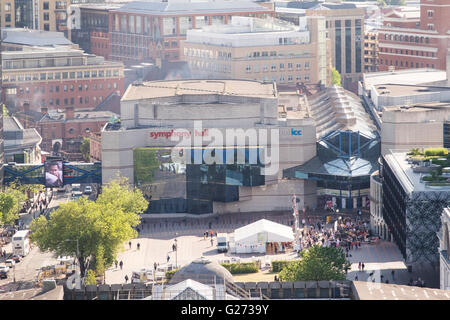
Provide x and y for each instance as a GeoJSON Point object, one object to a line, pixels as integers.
{"type": "Point", "coordinates": [253, 131]}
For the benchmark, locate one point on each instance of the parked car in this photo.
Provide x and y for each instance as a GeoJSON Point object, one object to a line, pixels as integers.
{"type": "Point", "coordinates": [10, 263]}
{"type": "Point", "coordinates": [3, 275]}
{"type": "Point", "coordinates": [62, 189]}
{"type": "Point", "coordinates": [88, 190]}
{"type": "Point", "coordinates": [16, 258]}
{"type": "Point", "coordinates": [4, 268]}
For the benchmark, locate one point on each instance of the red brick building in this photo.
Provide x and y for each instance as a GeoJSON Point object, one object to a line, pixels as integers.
{"type": "Point", "coordinates": [412, 40]}
{"type": "Point", "coordinates": [70, 126]}
{"type": "Point", "coordinates": [153, 30]}
{"type": "Point", "coordinates": [57, 78]}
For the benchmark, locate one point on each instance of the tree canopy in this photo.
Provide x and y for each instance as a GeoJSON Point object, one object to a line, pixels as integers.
{"type": "Point", "coordinates": [11, 201]}
{"type": "Point", "coordinates": [317, 264]}
{"type": "Point", "coordinates": [100, 227]}
{"type": "Point", "coordinates": [335, 77]}
{"type": "Point", "coordinates": [85, 149]}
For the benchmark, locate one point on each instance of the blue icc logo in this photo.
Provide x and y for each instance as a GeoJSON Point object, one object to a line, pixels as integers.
{"type": "Point", "coordinates": [296, 132]}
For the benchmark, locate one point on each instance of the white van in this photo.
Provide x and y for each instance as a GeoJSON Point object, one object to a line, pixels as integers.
{"type": "Point", "coordinates": [222, 242]}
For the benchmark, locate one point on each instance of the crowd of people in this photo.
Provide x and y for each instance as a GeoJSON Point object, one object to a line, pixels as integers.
{"type": "Point", "coordinates": [345, 233]}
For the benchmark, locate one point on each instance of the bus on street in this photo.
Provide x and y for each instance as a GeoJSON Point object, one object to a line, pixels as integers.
{"type": "Point", "coordinates": [21, 243]}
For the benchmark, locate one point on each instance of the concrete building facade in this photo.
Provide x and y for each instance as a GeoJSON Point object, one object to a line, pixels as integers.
{"type": "Point", "coordinates": [345, 28]}
{"type": "Point", "coordinates": [153, 30]}
{"type": "Point", "coordinates": [264, 50]}
{"type": "Point", "coordinates": [377, 223]}
{"type": "Point", "coordinates": [371, 51]}
{"type": "Point", "coordinates": [46, 15]}
{"type": "Point", "coordinates": [152, 111]}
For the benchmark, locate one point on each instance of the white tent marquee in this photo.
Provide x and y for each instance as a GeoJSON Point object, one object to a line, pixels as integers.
{"type": "Point", "coordinates": [252, 238]}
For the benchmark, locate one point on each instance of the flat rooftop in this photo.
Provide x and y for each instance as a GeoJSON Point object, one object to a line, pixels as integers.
{"type": "Point", "coordinates": [161, 89]}
{"type": "Point", "coordinates": [30, 37]}
{"type": "Point", "coordinates": [407, 76]}
{"type": "Point", "coordinates": [196, 8]}
{"type": "Point", "coordinates": [432, 106]}
{"type": "Point", "coordinates": [384, 291]}
{"type": "Point", "coordinates": [401, 90]}
{"type": "Point", "coordinates": [410, 180]}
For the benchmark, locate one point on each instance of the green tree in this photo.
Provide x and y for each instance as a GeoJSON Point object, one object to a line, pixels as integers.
{"type": "Point", "coordinates": [335, 77]}
{"type": "Point", "coordinates": [85, 149]}
{"type": "Point", "coordinates": [100, 261]}
{"type": "Point", "coordinates": [100, 227]}
{"type": "Point", "coordinates": [317, 263]}
{"type": "Point", "coordinates": [90, 278]}
{"type": "Point", "coordinates": [11, 201]}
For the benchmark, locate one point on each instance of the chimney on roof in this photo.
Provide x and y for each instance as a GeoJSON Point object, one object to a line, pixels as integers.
{"type": "Point", "coordinates": [70, 113]}
{"type": "Point", "coordinates": [26, 107]}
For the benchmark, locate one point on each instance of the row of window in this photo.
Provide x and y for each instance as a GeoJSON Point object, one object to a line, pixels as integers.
{"type": "Point", "coordinates": [289, 78]}
{"type": "Point", "coordinates": [273, 67]}
{"type": "Point", "coordinates": [57, 101]}
{"type": "Point", "coordinates": [61, 75]}
{"type": "Point", "coordinates": [406, 38]}
{"type": "Point", "coordinates": [406, 64]}
{"type": "Point", "coordinates": [66, 88]}
{"type": "Point", "coordinates": [410, 52]}
{"type": "Point", "coordinates": [146, 25]}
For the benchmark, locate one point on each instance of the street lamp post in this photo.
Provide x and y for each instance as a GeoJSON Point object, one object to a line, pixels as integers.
{"type": "Point", "coordinates": [176, 250]}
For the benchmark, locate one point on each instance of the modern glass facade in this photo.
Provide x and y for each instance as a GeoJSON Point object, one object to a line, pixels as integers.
{"type": "Point", "coordinates": [338, 46]}
{"type": "Point", "coordinates": [175, 185]}
{"type": "Point", "coordinates": [342, 168]}
{"type": "Point", "coordinates": [394, 207]}
{"type": "Point", "coordinates": [348, 46]}
{"type": "Point", "coordinates": [446, 134]}
{"type": "Point", "coordinates": [24, 13]}
{"type": "Point", "coordinates": [358, 45]}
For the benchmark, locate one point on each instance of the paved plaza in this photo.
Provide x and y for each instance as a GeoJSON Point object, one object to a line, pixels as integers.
{"type": "Point", "coordinates": [157, 237]}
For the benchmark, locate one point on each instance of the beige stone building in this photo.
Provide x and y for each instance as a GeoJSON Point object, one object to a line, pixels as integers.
{"type": "Point", "coordinates": [47, 15]}
{"type": "Point", "coordinates": [263, 50]}
{"type": "Point", "coordinates": [371, 51]}
{"type": "Point", "coordinates": [345, 29]}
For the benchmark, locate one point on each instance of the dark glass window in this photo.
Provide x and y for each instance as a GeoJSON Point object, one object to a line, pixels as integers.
{"type": "Point", "coordinates": [338, 45]}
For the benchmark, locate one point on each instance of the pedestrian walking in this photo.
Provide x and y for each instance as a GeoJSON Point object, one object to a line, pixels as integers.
{"type": "Point", "coordinates": [129, 244]}
{"type": "Point", "coordinates": [359, 266]}
{"type": "Point", "coordinates": [126, 279]}
{"type": "Point", "coordinates": [168, 258]}
{"type": "Point", "coordinates": [212, 241]}
{"type": "Point", "coordinates": [121, 264]}
{"type": "Point", "coordinates": [393, 274]}
{"type": "Point", "coordinates": [138, 246]}
{"type": "Point", "coordinates": [362, 266]}
{"type": "Point", "coordinates": [174, 247]}
{"type": "Point", "coordinates": [356, 278]}
{"type": "Point", "coordinates": [155, 266]}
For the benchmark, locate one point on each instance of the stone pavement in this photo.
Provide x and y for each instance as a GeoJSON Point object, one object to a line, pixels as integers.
{"type": "Point", "coordinates": [157, 249]}
{"type": "Point", "coordinates": [380, 259]}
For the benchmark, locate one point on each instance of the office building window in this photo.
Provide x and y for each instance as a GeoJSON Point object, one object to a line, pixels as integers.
{"type": "Point", "coordinates": [348, 46]}
{"type": "Point", "coordinates": [338, 46]}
